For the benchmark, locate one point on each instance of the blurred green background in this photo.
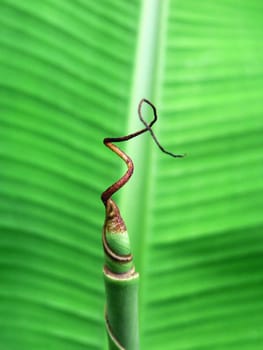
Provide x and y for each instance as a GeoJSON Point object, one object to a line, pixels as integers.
{"type": "Point", "coordinates": [72, 73]}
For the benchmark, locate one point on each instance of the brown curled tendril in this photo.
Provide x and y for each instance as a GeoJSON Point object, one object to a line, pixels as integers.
{"type": "Point", "coordinates": [108, 193]}
{"type": "Point", "coordinates": [113, 221]}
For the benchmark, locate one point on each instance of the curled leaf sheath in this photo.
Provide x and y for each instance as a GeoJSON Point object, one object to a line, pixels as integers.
{"type": "Point", "coordinates": [121, 283]}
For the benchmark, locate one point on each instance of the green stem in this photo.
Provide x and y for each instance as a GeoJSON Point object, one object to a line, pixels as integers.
{"type": "Point", "coordinates": [121, 314]}
{"type": "Point", "coordinates": [121, 283]}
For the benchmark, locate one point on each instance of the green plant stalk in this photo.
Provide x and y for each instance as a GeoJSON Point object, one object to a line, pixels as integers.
{"type": "Point", "coordinates": [121, 283]}
{"type": "Point", "coordinates": [121, 314]}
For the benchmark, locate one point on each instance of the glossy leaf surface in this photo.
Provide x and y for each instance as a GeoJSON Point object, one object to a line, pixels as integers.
{"type": "Point", "coordinates": [68, 79]}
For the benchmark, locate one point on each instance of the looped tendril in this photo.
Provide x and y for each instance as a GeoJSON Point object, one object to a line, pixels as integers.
{"type": "Point", "coordinates": [107, 194]}
{"type": "Point", "coordinates": [148, 127]}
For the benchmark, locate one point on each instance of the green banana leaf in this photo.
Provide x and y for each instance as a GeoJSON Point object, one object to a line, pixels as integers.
{"type": "Point", "coordinates": [72, 73]}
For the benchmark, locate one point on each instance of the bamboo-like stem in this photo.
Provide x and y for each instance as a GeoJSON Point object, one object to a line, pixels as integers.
{"type": "Point", "coordinates": [121, 280]}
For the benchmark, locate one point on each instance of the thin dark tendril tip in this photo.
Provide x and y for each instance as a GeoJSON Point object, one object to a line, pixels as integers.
{"type": "Point", "coordinates": [148, 127]}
